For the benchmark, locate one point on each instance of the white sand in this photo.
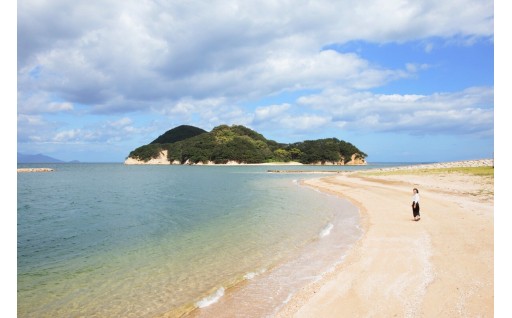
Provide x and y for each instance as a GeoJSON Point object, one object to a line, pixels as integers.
{"type": "Point", "coordinates": [440, 266]}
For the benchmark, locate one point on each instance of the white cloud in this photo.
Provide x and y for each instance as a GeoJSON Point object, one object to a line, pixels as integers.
{"type": "Point", "coordinates": [122, 122]}
{"type": "Point", "coordinates": [98, 52]}
{"type": "Point", "coordinates": [429, 47]}
{"type": "Point", "coordinates": [467, 111]}
{"type": "Point", "coordinates": [413, 68]}
{"type": "Point", "coordinates": [68, 136]}
{"type": "Point", "coordinates": [36, 129]}
{"type": "Point", "coordinates": [304, 122]}
{"type": "Point", "coordinates": [200, 62]}
{"type": "Point", "coordinates": [40, 102]}
{"type": "Point", "coordinates": [270, 112]}
{"type": "Point", "coordinates": [33, 128]}
{"type": "Point", "coordinates": [57, 107]}
{"type": "Point", "coordinates": [33, 120]}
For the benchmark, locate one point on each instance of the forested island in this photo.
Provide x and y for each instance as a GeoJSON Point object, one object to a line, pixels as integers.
{"type": "Point", "coordinates": [237, 144]}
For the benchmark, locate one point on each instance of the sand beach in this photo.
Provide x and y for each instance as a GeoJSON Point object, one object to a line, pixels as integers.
{"type": "Point", "coordinates": [439, 266]}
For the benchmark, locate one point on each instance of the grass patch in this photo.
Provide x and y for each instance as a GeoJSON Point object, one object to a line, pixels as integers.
{"type": "Point", "coordinates": [477, 171]}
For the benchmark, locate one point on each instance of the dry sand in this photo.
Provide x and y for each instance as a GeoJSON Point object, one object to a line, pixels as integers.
{"type": "Point", "coordinates": [440, 266]}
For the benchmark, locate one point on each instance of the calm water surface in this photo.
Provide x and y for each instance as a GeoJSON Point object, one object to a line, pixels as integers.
{"type": "Point", "coordinates": [110, 240]}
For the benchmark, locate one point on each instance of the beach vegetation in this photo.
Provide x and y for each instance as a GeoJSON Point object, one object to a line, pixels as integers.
{"type": "Point", "coordinates": [482, 171]}
{"type": "Point", "coordinates": [486, 171]}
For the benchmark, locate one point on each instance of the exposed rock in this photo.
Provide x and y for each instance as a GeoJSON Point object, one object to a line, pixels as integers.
{"type": "Point", "coordinates": [355, 160]}
{"type": "Point", "coordinates": [160, 160]}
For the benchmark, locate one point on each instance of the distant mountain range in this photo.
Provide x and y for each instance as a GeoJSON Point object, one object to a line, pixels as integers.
{"type": "Point", "coordinates": [39, 158]}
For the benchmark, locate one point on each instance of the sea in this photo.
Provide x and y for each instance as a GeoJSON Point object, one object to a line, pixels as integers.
{"type": "Point", "coordinates": [115, 240]}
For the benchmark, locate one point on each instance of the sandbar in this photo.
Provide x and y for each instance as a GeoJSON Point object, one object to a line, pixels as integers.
{"type": "Point", "coordinates": [439, 266]}
{"type": "Point", "coordinates": [34, 169]}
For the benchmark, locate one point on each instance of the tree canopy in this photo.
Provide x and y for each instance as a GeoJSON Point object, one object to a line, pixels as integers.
{"type": "Point", "coordinates": [192, 145]}
{"type": "Point", "coordinates": [178, 133]}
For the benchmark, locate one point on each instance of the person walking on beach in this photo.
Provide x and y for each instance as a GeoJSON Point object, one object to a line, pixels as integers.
{"type": "Point", "coordinates": [416, 204]}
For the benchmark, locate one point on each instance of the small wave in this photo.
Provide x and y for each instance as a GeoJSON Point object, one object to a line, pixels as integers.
{"type": "Point", "coordinates": [213, 298]}
{"type": "Point", "coordinates": [286, 301]}
{"type": "Point", "coordinates": [326, 230]}
{"type": "Point", "coordinates": [251, 275]}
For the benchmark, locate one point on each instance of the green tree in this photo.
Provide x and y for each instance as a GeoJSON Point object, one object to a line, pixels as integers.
{"type": "Point", "coordinates": [146, 152]}
{"type": "Point", "coordinates": [241, 144]}
{"type": "Point", "coordinates": [282, 155]}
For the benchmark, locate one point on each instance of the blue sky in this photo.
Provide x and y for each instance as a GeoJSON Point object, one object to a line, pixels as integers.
{"type": "Point", "coordinates": [403, 81]}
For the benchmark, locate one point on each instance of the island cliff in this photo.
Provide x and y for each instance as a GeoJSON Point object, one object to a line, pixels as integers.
{"type": "Point", "coordinates": [240, 145]}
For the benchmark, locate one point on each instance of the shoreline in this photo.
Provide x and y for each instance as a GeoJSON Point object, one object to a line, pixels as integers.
{"type": "Point", "coordinates": [284, 278]}
{"type": "Point", "coordinates": [440, 266]}
{"type": "Point", "coordinates": [162, 160]}
{"type": "Point", "coordinates": [399, 267]}
{"type": "Point", "coordinates": [34, 170]}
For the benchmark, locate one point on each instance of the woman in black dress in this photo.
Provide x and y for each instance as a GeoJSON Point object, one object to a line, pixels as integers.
{"type": "Point", "coordinates": [416, 204]}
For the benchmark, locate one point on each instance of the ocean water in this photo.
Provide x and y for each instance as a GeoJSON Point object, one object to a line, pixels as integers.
{"type": "Point", "coordinates": [110, 240]}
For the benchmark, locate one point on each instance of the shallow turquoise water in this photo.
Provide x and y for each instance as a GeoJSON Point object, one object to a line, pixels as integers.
{"type": "Point", "coordinates": [110, 240]}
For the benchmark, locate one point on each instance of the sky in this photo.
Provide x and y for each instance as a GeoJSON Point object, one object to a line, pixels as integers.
{"type": "Point", "coordinates": [404, 81]}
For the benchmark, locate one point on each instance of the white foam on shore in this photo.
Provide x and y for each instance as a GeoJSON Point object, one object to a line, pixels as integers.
{"type": "Point", "coordinates": [326, 230]}
{"type": "Point", "coordinates": [286, 301]}
{"type": "Point", "coordinates": [212, 299]}
{"type": "Point", "coordinates": [266, 293]}
{"type": "Point", "coordinates": [251, 275]}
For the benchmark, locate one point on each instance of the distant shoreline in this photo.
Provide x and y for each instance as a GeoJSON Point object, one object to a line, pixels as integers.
{"type": "Point", "coordinates": [35, 170]}
{"type": "Point", "coordinates": [162, 159]}
{"type": "Point", "coordinates": [439, 165]}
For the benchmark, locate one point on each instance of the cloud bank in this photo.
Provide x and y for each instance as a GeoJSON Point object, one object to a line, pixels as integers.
{"type": "Point", "coordinates": [206, 61]}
